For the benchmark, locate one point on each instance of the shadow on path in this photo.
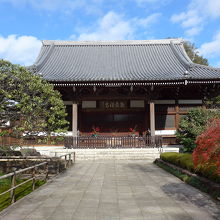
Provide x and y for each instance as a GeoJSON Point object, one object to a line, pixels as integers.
{"type": "Point", "coordinates": [187, 194]}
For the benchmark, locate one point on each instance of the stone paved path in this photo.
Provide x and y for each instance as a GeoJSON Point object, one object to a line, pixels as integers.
{"type": "Point", "coordinates": [113, 190]}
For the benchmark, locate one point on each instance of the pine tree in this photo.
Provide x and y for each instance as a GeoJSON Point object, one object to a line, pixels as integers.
{"type": "Point", "coordinates": [193, 54]}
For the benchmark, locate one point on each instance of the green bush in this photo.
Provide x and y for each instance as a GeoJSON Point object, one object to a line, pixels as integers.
{"type": "Point", "coordinates": [183, 160]}
{"type": "Point", "coordinates": [169, 156]}
{"type": "Point", "coordinates": [192, 125]}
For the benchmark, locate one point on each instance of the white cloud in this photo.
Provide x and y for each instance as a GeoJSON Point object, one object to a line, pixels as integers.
{"type": "Point", "coordinates": [210, 8]}
{"type": "Point", "coordinates": [110, 27]}
{"type": "Point", "coordinates": [145, 22]}
{"type": "Point", "coordinates": [212, 48]}
{"type": "Point", "coordinates": [19, 49]}
{"type": "Point", "coordinates": [193, 31]}
{"type": "Point", "coordinates": [113, 26]}
{"type": "Point", "coordinates": [196, 15]}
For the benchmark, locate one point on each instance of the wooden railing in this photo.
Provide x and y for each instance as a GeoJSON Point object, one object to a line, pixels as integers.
{"type": "Point", "coordinates": [112, 142]}
{"type": "Point", "coordinates": [24, 158]}
{"type": "Point", "coordinates": [33, 178]}
{"type": "Point", "coordinates": [68, 160]}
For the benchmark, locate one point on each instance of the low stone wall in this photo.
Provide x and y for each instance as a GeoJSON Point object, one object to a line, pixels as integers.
{"type": "Point", "coordinates": [10, 164]}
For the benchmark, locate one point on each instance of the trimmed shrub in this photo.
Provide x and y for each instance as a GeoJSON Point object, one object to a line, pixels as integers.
{"type": "Point", "coordinates": [183, 160]}
{"type": "Point", "coordinates": [169, 157]}
{"type": "Point", "coordinates": [206, 156]}
{"type": "Point", "coordinates": [186, 162]}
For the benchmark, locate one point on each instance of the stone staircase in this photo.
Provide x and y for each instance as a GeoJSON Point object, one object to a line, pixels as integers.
{"type": "Point", "coordinates": [108, 154]}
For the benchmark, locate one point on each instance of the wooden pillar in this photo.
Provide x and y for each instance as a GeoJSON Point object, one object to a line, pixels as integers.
{"type": "Point", "coordinates": [147, 117]}
{"type": "Point", "coordinates": [152, 118]}
{"type": "Point", "coordinates": [177, 115]}
{"type": "Point", "coordinates": [80, 116]}
{"type": "Point", "coordinates": [74, 119]}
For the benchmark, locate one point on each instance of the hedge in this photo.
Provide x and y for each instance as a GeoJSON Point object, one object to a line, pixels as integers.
{"type": "Point", "coordinates": [185, 161]}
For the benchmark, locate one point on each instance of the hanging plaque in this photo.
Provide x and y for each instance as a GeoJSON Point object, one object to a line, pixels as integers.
{"type": "Point", "coordinates": [113, 104]}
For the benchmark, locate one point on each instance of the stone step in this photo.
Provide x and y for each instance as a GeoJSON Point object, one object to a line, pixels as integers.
{"type": "Point", "coordinates": [107, 154]}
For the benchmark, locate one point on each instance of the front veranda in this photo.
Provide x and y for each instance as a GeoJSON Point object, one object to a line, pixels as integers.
{"type": "Point", "coordinates": [126, 116]}
{"type": "Point", "coordinates": [116, 113]}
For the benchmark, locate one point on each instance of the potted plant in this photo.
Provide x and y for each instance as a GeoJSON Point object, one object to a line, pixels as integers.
{"type": "Point", "coordinates": [133, 131]}
{"type": "Point", "coordinates": [95, 131]}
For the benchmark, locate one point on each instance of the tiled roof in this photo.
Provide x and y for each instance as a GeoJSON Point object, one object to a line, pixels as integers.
{"type": "Point", "coordinates": [144, 60]}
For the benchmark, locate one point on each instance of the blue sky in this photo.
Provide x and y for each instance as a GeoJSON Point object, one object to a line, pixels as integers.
{"type": "Point", "coordinates": [24, 23]}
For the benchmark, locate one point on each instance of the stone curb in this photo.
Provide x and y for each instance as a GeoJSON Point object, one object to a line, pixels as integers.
{"type": "Point", "coordinates": [205, 181]}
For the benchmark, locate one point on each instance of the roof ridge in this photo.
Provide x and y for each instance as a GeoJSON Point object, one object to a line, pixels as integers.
{"type": "Point", "coordinates": [45, 57]}
{"type": "Point", "coordinates": [188, 65]}
{"type": "Point", "coordinates": [114, 42]}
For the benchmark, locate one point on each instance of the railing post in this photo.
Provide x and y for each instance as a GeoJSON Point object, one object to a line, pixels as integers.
{"type": "Point", "coordinates": [153, 141]}
{"type": "Point", "coordinates": [65, 162]}
{"type": "Point", "coordinates": [70, 161]}
{"type": "Point", "coordinates": [13, 183]}
{"type": "Point", "coordinates": [161, 144]}
{"type": "Point", "coordinates": [46, 171]}
{"type": "Point", "coordinates": [58, 166]}
{"type": "Point", "coordinates": [33, 176]}
{"type": "Point", "coordinates": [74, 157]}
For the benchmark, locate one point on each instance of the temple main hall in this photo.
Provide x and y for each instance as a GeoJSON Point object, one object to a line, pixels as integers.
{"type": "Point", "coordinates": [117, 86]}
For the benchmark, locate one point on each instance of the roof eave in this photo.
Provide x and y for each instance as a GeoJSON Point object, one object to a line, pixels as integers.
{"type": "Point", "coordinates": [136, 83]}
